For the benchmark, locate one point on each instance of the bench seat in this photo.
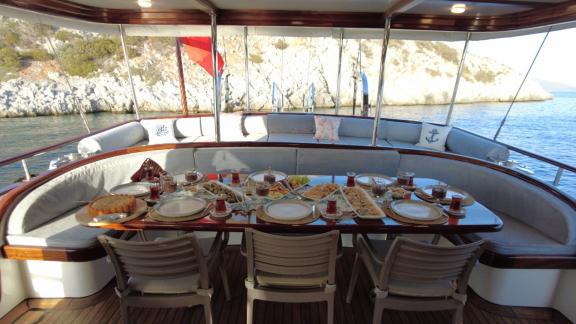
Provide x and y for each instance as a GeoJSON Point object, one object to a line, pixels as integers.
{"type": "Point", "coordinates": [517, 238]}
{"type": "Point", "coordinates": [64, 232]}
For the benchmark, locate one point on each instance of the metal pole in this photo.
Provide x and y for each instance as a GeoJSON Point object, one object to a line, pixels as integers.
{"type": "Point", "coordinates": [341, 45]}
{"type": "Point", "coordinates": [460, 70]}
{"type": "Point", "coordinates": [558, 176]}
{"type": "Point", "coordinates": [127, 62]}
{"type": "Point", "coordinates": [247, 77]}
{"type": "Point", "coordinates": [521, 85]}
{"type": "Point", "coordinates": [82, 115]}
{"type": "Point", "coordinates": [380, 98]}
{"type": "Point", "coordinates": [26, 170]}
{"type": "Point", "coordinates": [215, 75]}
{"type": "Point", "coordinates": [183, 99]}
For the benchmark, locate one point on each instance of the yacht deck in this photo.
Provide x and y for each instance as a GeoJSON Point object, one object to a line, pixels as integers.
{"type": "Point", "coordinates": [103, 307]}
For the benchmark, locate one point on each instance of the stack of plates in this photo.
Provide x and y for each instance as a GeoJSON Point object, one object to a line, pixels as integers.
{"type": "Point", "coordinates": [426, 194]}
{"type": "Point", "coordinates": [137, 189]}
{"type": "Point", "coordinates": [258, 176]}
{"type": "Point", "coordinates": [182, 206]}
{"type": "Point", "coordinates": [365, 179]}
{"type": "Point", "coordinates": [417, 212]}
{"type": "Point", "coordinates": [290, 212]}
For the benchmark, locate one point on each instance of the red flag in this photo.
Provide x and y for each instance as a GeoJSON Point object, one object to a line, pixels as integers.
{"type": "Point", "coordinates": [199, 50]}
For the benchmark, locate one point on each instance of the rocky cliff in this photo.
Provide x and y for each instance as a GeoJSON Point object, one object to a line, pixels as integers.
{"type": "Point", "coordinates": [87, 71]}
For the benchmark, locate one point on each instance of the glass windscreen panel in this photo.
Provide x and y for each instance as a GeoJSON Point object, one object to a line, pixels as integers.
{"type": "Point", "coordinates": [419, 77]}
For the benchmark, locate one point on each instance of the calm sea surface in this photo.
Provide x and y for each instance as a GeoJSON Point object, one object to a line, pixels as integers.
{"type": "Point", "coordinates": [547, 128]}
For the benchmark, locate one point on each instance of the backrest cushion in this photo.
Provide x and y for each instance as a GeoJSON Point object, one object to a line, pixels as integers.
{"type": "Point", "coordinates": [338, 161]}
{"type": "Point", "coordinates": [326, 128]}
{"type": "Point", "coordinates": [119, 137]}
{"type": "Point", "coordinates": [188, 127]}
{"type": "Point", "coordinates": [230, 127]}
{"type": "Point", "coordinates": [361, 127]}
{"type": "Point", "coordinates": [434, 136]}
{"type": "Point", "coordinates": [160, 131]}
{"type": "Point", "coordinates": [501, 193]}
{"type": "Point", "coordinates": [247, 159]}
{"type": "Point", "coordinates": [68, 191]}
{"type": "Point", "coordinates": [255, 124]}
{"type": "Point", "coordinates": [403, 131]}
{"type": "Point", "coordinates": [464, 143]}
{"type": "Point", "coordinates": [291, 124]}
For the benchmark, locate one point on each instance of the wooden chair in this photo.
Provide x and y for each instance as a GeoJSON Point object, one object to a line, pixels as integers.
{"type": "Point", "coordinates": [414, 276]}
{"type": "Point", "coordinates": [291, 269]}
{"type": "Point", "coordinates": [165, 274]}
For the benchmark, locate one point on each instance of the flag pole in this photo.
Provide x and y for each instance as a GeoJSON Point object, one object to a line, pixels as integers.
{"type": "Point", "coordinates": [183, 99]}
{"type": "Point", "coordinates": [215, 75]}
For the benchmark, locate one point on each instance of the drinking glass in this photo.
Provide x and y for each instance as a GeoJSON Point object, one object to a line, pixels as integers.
{"type": "Point", "coordinates": [191, 175]}
{"type": "Point", "coordinates": [405, 178]}
{"type": "Point", "coordinates": [331, 206]}
{"type": "Point", "coordinates": [235, 177]}
{"type": "Point", "coordinates": [439, 191]}
{"type": "Point", "coordinates": [350, 180]}
{"type": "Point", "coordinates": [378, 188]}
{"type": "Point", "coordinates": [154, 191]}
{"type": "Point", "coordinates": [262, 190]}
{"type": "Point", "coordinates": [456, 202]}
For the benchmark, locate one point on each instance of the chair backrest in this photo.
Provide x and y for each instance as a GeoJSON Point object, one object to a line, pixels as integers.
{"type": "Point", "coordinates": [412, 261]}
{"type": "Point", "coordinates": [291, 256]}
{"type": "Point", "coordinates": [156, 260]}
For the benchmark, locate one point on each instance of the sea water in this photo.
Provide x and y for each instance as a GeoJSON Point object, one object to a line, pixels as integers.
{"type": "Point", "coordinates": [547, 128]}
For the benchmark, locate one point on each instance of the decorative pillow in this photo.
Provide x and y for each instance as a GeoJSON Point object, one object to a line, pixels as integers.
{"type": "Point", "coordinates": [434, 137]}
{"type": "Point", "coordinates": [160, 131]}
{"type": "Point", "coordinates": [327, 128]}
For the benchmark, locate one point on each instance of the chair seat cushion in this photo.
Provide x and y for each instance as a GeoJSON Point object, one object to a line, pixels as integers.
{"type": "Point", "coordinates": [269, 280]}
{"type": "Point", "coordinates": [518, 238]}
{"type": "Point", "coordinates": [65, 232]}
{"type": "Point", "coordinates": [180, 285]}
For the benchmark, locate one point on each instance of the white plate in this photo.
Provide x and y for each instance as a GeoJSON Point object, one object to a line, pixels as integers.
{"type": "Point", "coordinates": [138, 189]}
{"type": "Point", "coordinates": [288, 209]}
{"type": "Point", "coordinates": [182, 177]}
{"type": "Point", "coordinates": [180, 206]}
{"type": "Point", "coordinates": [365, 179]}
{"type": "Point", "coordinates": [417, 210]}
{"type": "Point", "coordinates": [258, 176]}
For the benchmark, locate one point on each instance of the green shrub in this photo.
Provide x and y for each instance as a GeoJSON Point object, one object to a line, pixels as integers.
{"type": "Point", "coordinates": [64, 35]}
{"type": "Point", "coordinates": [9, 59]}
{"type": "Point", "coordinates": [433, 73]}
{"type": "Point", "coordinates": [80, 56]}
{"type": "Point", "coordinates": [10, 38]}
{"type": "Point", "coordinates": [281, 45]}
{"type": "Point", "coordinates": [256, 59]}
{"type": "Point", "coordinates": [485, 76]}
{"type": "Point", "coordinates": [37, 54]}
{"type": "Point", "coordinates": [42, 30]}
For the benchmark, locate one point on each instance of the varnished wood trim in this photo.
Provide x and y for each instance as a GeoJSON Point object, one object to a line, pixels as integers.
{"type": "Point", "coordinates": [534, 17]}
{"type": "Point", "coordinates": [20, 252]}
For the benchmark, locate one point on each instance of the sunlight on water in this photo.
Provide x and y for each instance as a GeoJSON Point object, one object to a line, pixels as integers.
{"type": "Point", "coordinates": [546, 128]}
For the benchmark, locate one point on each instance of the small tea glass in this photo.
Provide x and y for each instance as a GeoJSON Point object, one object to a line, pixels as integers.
{"type": "Point", "coordinates": [261, 190]}
{"type": "Point", "coordinates": [191, 175]}
{"type": "Point", "coordinates": [378, 188]}
{"type": "Point", "coordinates": [405, 178]}
{"type": "Point", "coordinates": [350, 180]}
{"type": "Point", "coordinates": [456, 202]}
{"type": "Point", "coordinates": [154, 191]}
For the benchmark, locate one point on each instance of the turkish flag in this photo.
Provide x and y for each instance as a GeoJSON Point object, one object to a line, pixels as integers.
{"type": "Point", "coordinates": [199, 50]}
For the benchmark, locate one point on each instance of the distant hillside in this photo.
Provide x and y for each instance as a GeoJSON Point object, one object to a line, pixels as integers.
{"type": "Point", "coordinates": [33, 79]}
{"type": "Point", "coordinates": [556, 86]}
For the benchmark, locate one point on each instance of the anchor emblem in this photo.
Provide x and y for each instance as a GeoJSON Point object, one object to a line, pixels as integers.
{"type": "Point", "coordinates": [432, 137]}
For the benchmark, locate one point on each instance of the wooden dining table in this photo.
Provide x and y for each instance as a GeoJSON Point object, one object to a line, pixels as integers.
{"type": "Point", "coordinates": [478, 218]}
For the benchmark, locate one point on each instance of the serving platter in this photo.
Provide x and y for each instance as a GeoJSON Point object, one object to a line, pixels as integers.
{"type": "Point", "coordinates": [416, 210]}
{"type": "Point", "coordinates": [365, 179]}
{"type": "Point", "coordinates": [278, 191]}
{"type": "Point", "coordinates": [136, 189]}
{"type": "Point", "coordinates": [258, 176]}
{"type": "Point", "coordinates": [321, 191]}
{"type": "Point", "coordinates": [363, 205]}
{"type": "Point", "coordinates": [181, 206]}
{"type": "Point", "coordinates": [425, 193]}
{"type": "Point", "coordinates": [218, 188]}
{"type": "Point", "coordinates": [84, 218]}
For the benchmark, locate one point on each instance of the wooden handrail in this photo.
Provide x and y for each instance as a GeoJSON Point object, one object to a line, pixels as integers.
{"type": "Point", "coordinates": [540, 158]}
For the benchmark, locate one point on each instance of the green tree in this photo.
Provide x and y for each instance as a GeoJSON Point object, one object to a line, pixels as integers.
{"type": "Point", "coordinates": [10, 38]}
{"type": "Point", "coordinates": [36, 54]}
{"type": "Point", "coordinates": [9, 59]}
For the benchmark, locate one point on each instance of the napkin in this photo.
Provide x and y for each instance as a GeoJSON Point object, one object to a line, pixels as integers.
{"type": "Point", "coordinates": [157, 170]}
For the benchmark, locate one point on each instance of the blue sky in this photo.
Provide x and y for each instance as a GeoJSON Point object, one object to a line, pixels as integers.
{"type": "Point", "coordinates": [556, 62]}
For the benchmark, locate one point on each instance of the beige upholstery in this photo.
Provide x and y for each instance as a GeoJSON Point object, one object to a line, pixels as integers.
{"type": "Point", "coordinates": [164, 273]}
{"type": "Point", "coordinates": [291, 269]}
{"type": "Point", "coordinates": [415, 276]}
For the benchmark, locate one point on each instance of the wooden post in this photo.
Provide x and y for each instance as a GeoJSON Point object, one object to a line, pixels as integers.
{"type": "Point", "coordinates": [183, 100]}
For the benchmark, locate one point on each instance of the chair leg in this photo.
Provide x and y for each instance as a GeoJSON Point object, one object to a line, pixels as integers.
{"type": "Point", "coordinates": [207, 312]}
{"type": "Point", "coordinates": [124, 312]}
{"type": "Point", "coordinates": [224, 277]}
{"type": "Point", "coordinates": [353, 278]}
{"type": "Point", "coordinates": [378, 309]}
{"type": "Point", "coordinates": [330, 309]}
{"type": "Point", "coordinates": [249, 309]}
{"type": "Point", "coordinates": [458, 315]}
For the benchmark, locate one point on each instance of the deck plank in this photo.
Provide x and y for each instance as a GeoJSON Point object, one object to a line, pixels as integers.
{"type": "Point", "coordinates": [104, 307]}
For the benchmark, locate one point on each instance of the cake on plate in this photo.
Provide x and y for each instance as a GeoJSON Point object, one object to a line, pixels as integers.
{"type": "Point", "coordinates": [112, 204]}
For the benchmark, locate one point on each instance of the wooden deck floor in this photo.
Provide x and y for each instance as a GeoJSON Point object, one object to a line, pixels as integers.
{"type": "Point", "coordinates": [103, 307]}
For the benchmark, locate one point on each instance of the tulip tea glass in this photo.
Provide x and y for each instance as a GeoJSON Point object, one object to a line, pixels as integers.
{"type": "Point", "coordinates": [350, 180]}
